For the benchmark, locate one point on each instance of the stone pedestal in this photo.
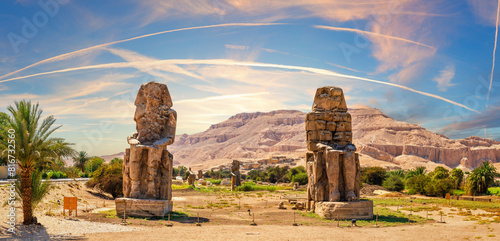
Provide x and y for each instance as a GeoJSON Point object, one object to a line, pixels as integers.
{"type": "Point", "coordinates": [345, 210]}
{"type": "Point", "coordinates": [133, 207]}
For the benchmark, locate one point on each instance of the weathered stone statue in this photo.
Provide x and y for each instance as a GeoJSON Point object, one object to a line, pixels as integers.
{"type": "Point", "coordinates": [147, 165]}
{"type": "Point", "coordinates": [200, 174]}
{"type": "Point", "coordinates": [235, 175]}
{"type": "Point", "coordinates": [191, 177]}
{"type": "Point", "coordinates": [332, 163]}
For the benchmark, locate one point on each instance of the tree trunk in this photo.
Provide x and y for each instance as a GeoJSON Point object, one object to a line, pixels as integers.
{"type": "Point", "coordinates": [26, 189]}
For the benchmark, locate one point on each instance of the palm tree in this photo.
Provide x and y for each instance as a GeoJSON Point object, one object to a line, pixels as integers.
{"type": "Point", "coordinates": [419, 171]}
{"type": "Point", "coordinates": [38, 188]}
{"type": "Point", "coordinates": [32, 145]}
{"type": "Point", "coordinates": [80, 160]}
{"type": "Point", "coordinates": [51, 163]}
{"type": "Point", "coordinates": [481, 178]}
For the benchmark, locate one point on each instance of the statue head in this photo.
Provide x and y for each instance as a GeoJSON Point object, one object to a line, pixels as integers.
{"type": "Point", "coordinates": [153, 116]}
{"type": "Point", "coordinates": [235, 166]}
{"type": "Point", "coordinates": [329, 98]}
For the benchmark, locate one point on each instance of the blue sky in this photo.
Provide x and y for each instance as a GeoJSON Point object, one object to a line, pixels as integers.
{"type": "Point", "coordinates": [424, 62]}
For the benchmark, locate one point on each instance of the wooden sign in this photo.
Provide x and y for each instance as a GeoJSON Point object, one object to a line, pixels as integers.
{"type": "Point", "coordinates": [70, 203]}
{"type": "Point", "coordinates": [448, 196]}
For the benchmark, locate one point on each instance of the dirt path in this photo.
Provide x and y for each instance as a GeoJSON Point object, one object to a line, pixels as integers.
{"type": "Point", "coordinates": [458, 231]}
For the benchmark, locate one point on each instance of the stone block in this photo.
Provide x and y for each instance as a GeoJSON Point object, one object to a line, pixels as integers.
{"type": "Point", "coordinates": [325, 135]}
{"type": "Point", "coordinates": [312, 135]}
{"type": "Point", "coordinates": [322, 115]}
{"type": "Point", "coordinates": [345, 210]}
{"type": "Point", "coordinates": [331, 126]}
{"type": "Point", "coordinates": [320, 124]}
{"type": "Point", "coordinates": [133, 207]}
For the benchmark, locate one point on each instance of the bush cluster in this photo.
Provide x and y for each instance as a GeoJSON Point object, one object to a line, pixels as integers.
{"type": "Point", "coordinates": [108, 178]}
{"type": "Point", "coordinates": [436, 183]}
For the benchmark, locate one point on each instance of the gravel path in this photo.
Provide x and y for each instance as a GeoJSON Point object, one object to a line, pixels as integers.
{"type": "Point", "coordinates": [58, 228]}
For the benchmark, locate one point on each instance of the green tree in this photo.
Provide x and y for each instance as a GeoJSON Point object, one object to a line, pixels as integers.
{"type": "Point", "coordinates": [480, 179]}
{"type": "Point", "coordinates": [393, 183]}
{"type": "Point", "coordinates": [109, 178]}
{"type": "Point", "coordinates": [93, 164]}
{"type": "Point", "coordinates": [33, 144]}
{"type": "Point", "coordinates": [182, 170]}
{"type": "Point", "coordinates": [116, 159]}
{"type": "Point", "coordinates": [417, 184]}
{"type": "Point", "coordinates": [373, 175]}
{"type": "Point", "coordinates": [457, 176]}
{"type": "Point", "coordinates": [80, 160]}
{"type": "Point", "coordinates": [4, 118]}
{"type": "Point", "coordinates": [294, 171]}
{"type": "Point", "coordinates": [39, 189]}
{"type": "Point", "coordinates": [301, 178]}
{"type": "Point", "coordinates": [438, 187]}
{"type": "Point", "coordinates": [400, 173]}
{"type": "Point", "coordinates": [254, 174]}
{"type": "Point", "coordinates": [63, 148]}
{"type": "Point", "coordinates": [416, 172]}
{"type": "Point", "coordinates": [277, 174]}
{"type": "Point", "coordinates": [439, 173]}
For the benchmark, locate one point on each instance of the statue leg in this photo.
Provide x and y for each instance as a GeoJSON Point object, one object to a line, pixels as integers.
{"type": "Point", "coordinates": [154, 158]}
{"type": "Point", "coordinates": [350, 175]}
{"type": "Point", "coordinates": [318, 167]}
{"type": "Point", "coordinates": [310, 183]}
{"type": "Point", "coordinates": [135, 171]}
{"type": "Point", "coordinates": [332, 159]}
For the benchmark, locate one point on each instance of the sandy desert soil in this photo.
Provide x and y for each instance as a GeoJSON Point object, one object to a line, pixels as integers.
{"type": "Point", "coordinates": [224, 216]}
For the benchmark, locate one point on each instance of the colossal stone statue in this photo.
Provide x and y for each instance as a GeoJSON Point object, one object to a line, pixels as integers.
{"type": "Point", "coordinates": [235, 174]}
{"type": "Point", "coordinates": [332, 163]}
{"type": "Point", "coordinates": [147, 165]}
{"type": "Point", "coordinates": [191, 178]}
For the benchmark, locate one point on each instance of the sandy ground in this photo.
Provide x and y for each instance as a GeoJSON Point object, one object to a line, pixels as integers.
{"type": "Point", "coordinates": [447, 231]}
{"type": "Point", "coordinates": [225, 216]}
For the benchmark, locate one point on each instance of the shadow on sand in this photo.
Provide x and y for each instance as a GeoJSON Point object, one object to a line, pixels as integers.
{"type": "Point", "coordinates": [33, 232]}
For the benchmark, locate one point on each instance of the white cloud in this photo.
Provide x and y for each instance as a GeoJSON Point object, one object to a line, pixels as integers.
{"type": "Point", "coordinates": [237, 47]}
{"type": "Point", "coordinates": [444, 78]}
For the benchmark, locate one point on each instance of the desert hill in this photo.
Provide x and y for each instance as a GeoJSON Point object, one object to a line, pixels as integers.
{"type": "Point", "coordinates": [381, 139]}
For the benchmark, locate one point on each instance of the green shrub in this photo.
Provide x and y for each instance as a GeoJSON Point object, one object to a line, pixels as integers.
{"type": "Point", "coordinates": [373, 175]}
{"type": "Point", "coordinates": [248, 186]}
{"type": "Point", "coordinates": [301, 178]}
{"type": "Point", "coordinates": [251, 186]}
{"type": "Point", "coordinates": [215, 181]}
{"type": "Point", "coordinates": [93, 164]}
{"type": "Point", "coordinates": [54, 175]}
{"type": "Point", "coordinates": [108, 178]}
{"type": "Point", "coordinates": [394, 183]}
{"type": "Point", "coordinates": [116, 159]}
{"type": "Point", "coordinates": [439, 187]}
{"type": "Point", "coordinates": [417, 184]}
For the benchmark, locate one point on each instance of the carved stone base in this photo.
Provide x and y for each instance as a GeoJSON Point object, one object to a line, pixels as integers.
{"type": "Point", "coordinates": [345, 210]}
{"type": "Point", "coordinates": [143, 208]}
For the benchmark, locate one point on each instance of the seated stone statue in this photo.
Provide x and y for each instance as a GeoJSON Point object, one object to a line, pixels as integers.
{"type": "Point", "coordinates": [146, 163]}
{"type": "Point", "coordinates": [332, 164]}
{"type": "Point", "coordinates": [235, 174]}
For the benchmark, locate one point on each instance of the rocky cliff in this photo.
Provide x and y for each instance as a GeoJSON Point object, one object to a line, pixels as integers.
{"type": "Point", "coordinates": [260, 135]}
{"type": "Point", "coordinates": [246, 135]}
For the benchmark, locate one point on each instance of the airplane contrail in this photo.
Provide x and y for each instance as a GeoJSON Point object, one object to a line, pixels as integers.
{"type": "Point", "coordinates": [372, 33]}
{"type": "Point", "coordinates": [494, 51]}
{"type": "Point", "coordinates": [92, 48]}
{"type": "Point", "coordinates": [236, 63]}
